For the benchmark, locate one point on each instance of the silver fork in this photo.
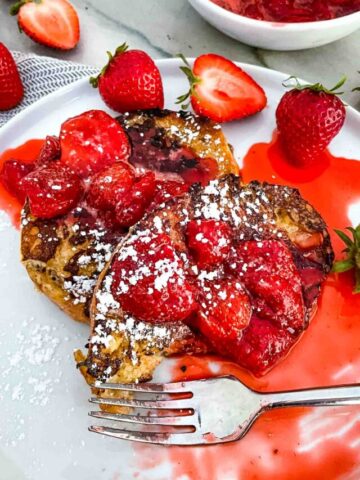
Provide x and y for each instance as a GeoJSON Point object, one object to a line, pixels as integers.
{"type": "Point", "coordinates": [214, 410]}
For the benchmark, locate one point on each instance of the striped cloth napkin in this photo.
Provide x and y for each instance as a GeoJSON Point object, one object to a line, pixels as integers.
{"type": "Point", "coordinates": [43, 75]}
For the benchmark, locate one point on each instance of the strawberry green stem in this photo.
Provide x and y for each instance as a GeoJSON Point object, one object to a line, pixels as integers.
{"type": "Point", "coordinates": [352, 260]}
{"type": "Point", "coordinates": [14, 9]}
{"type": "Point", "coordinates": [316, 87]}
{"type": "Point", "coordinates": [193, 81]}
{"type": "Point", "coordinates": [94, 81]}
{"type": "Point", "coordinates": [356, 89]}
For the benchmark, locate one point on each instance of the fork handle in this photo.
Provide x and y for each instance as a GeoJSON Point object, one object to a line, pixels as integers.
{"type": "Point", "coordinates": [329, 396]}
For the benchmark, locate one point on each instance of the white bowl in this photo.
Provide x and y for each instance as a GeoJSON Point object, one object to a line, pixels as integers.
{"type": "Point", "coordinates": [276, 36]}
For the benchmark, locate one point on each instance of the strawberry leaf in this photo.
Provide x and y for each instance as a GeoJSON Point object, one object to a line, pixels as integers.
{"type": "Point", "coordinates": [343, 266]}
{"type": "Point", "coordinates": [316, 87]}
{"type": "Point", "coordinates": [357, 282]}
{"type": "Point", "coordinates": [94, 81]}
{"type": "Point", "coordinates": [193, 81]}
{"type": "Point", "coordinates": [356, 89]}
{"type": "Point", "coordinates": [14, 9]}
{"type": "Point", "coordinates": [344, 237]}
{"type": "Point", "coordinates": [352, 259]}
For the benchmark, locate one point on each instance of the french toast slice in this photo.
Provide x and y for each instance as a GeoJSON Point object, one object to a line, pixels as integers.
{"type": "Point", "coordinates": [65, 255]}
{"type": "Point", "coordinates": [124, 348]}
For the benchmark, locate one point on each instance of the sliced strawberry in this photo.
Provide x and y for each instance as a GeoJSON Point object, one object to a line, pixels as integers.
{"type": "Point", "coordinates": [53, 23]}
{"type": "Point", "coordinates": [261, 346]}
{"type": "Point", "coordinates": [206, 169]}
{"type": "Point", "coordinates": [225, 310]}
{"type": "Point", "coordinates": [221, 90]}
{"type": "Point", "coordinates": [92, 141]}
{"type": "Point", "coordinates": [311, 278]}
{"type": "Point", "coordinates": [149, 281]}
{"type": "Point", "coordinates": [209, 241]}
{"type": "Point", "coordinates": [132, 205]}
{"type": "Point", "coordinates": [50, 151]}
{"type": "Point", "coordinates": [52, 190]}
{"type": "Point", "coordinates": [268, 272]}
{"type": "Point", "coordinates": [109, 186]}
{"type": "Point", "coordinates": [167, 189]}
{"type": "Point", "coordinates": [10, 175]}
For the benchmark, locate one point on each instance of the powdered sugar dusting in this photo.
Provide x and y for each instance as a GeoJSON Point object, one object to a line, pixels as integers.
{"type": "Point", "coordinates": [249, 213]}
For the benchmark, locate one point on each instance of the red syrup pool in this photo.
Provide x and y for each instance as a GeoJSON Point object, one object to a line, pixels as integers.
{"type": "Point", "coordinates": [287, 444]}
{"type": "Point", "coordinates": [295, 443]}
{"type": "Point", "coordinates": [27, 152]}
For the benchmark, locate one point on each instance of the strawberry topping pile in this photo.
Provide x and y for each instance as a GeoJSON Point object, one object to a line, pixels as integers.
{"type": "Point", "coordinates": [248, 298]}
{"type": "Point", "coordinates": [89, 164]}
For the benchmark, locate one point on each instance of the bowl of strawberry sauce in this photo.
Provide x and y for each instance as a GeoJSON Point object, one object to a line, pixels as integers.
{"type": "Point", "coordinates": [282, 24]}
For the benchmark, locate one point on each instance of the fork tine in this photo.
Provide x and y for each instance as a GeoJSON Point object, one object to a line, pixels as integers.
{"type": "Point", "coordinates": [180, 420]}
{"type": "Point", "coordinates": [184, 404]}
{"type": "Point", "coordinates": [176, 387]}
{"type": "Point", "coordinates": [150, 437]}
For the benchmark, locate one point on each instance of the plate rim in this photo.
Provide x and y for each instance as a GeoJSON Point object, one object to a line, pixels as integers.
{"type": "Point", "coordinates": [13, 123]}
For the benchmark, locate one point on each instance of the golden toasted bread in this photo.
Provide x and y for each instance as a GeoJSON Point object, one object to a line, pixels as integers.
{"type": "Point", "coordinates": [123, 348]}
{"type": "Point", "coordinates": [64, 256]}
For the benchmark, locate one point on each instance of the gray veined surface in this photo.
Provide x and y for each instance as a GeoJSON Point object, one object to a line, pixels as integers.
{"type": "Point", "coordinates": [166, 27]}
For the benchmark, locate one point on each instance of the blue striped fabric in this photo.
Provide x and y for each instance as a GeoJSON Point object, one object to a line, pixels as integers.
{"type": "Point", "coordinates": [43, 75]}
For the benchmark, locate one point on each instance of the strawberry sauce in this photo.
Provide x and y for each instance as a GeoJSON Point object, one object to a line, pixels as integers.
{"type": "Point", "coordinates": [297, 442]}
{"type": "Point", "coordinates": [288, 444]}
{"type": "Point", "coordinates": [292, 10]}
{"type": "Point", "coordinates": [28, 153]}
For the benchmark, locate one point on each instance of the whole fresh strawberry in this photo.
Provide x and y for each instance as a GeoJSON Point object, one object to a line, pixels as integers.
{"type": "Point", "coordinates": [308, 117]}
{"type": "Point", "coordinates": [130, 81]}
{"type": "Point", "coordinates": [221, 90]}
{"type": "Point", "coordinates": [53, 23]}
{"type": "Point", "coordinates": [11, 87]}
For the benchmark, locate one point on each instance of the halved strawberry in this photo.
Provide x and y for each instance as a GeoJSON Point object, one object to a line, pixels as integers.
{"type": "Point", "coordinates": [205, 169]}
{"type": "Point", "coordinates": [221, 90]}
{"type": "Point", "coordinates": [209, 241]}
{"type": "Point", "coordinates": [92, 141]}
{"type": "Point", "coordinates": [108, 187]}
{"type": "Point", "coordinates": [49, 152]}
{"type": "Point", "coordinates": [261, 345]}
{"type": "Point", "coordinates": [53, 23]}
{"type": "Point", "coordinates": [149, 281]}
{"type": "Point", "coordinates": [167, 189]}
{"type": "Point", "coordinates": [52, 190]}
{"type": "Point", "coordinates": [268, 272]}
{"type": "Point", "coordinates": [132, 205]}
{"type": "Point", "coordinates": [11, 173]}
{"type": "Point", "coordinates": [225, 310]}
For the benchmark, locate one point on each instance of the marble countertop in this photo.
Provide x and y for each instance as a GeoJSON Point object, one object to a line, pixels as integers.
{"type": "Point", "coordinates": [166, 27]}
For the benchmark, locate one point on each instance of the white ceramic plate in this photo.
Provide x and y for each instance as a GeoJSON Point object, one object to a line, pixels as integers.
{"type": "Point", "coordinates": [276, 35]}
{"type": "Point", "coordinates": [43, 419]}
